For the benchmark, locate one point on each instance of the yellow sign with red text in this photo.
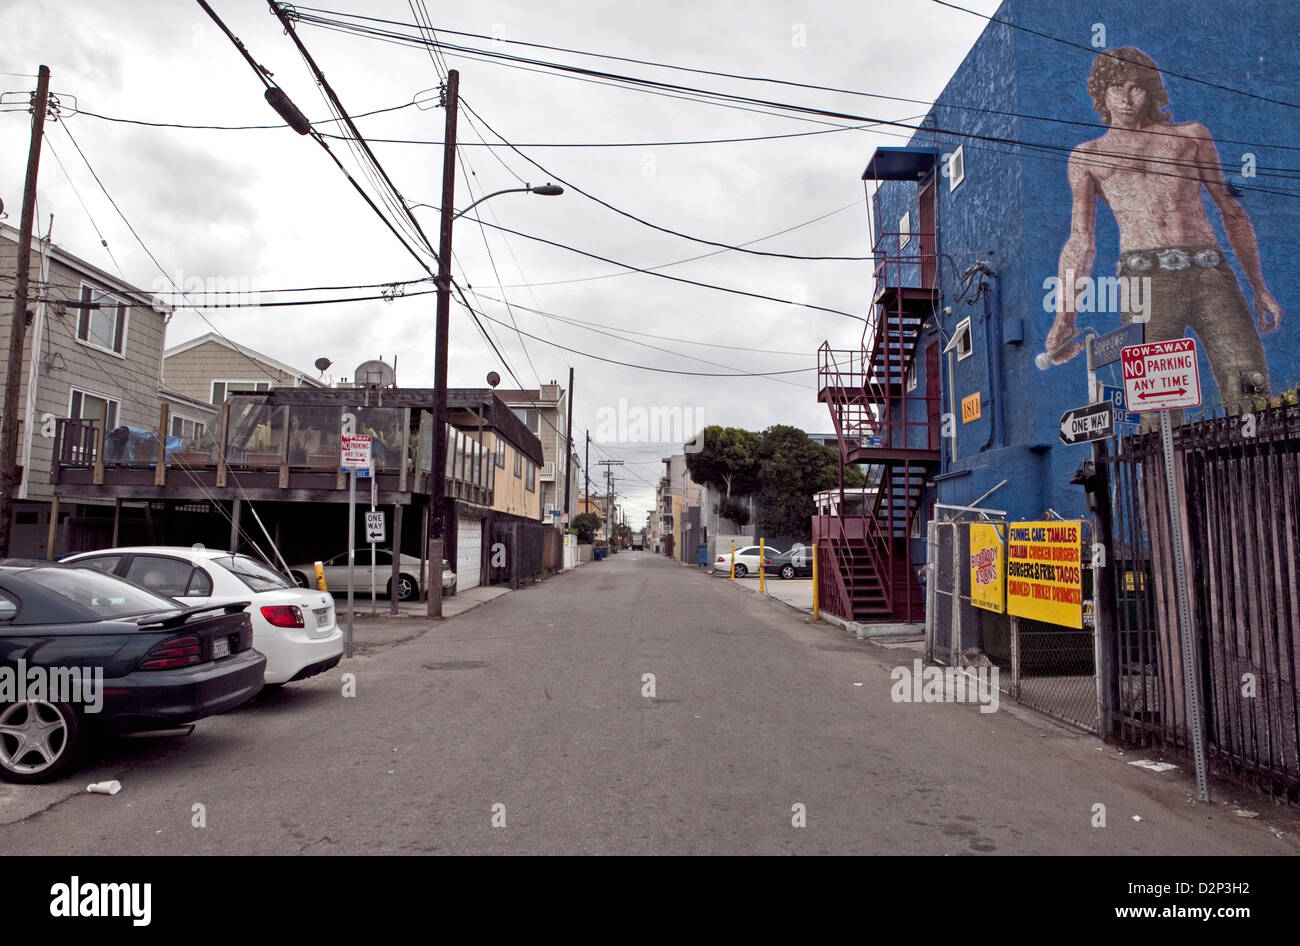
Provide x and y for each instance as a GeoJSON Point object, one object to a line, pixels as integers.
{"type": "Point", "coordinates": [1044, 572]}
{"type": "Point", "coordinates": [987, 574]}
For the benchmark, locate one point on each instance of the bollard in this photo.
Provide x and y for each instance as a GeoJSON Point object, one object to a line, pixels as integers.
{"type": "Point", "coordinates": [817, 610]}
{"type": "Point", "coordinates": [733, 559]}
{"type": "Point", "coordinates": [762, 556]}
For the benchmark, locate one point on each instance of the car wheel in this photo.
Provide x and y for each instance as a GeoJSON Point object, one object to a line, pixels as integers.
{"type": "Point", "coordinates": [39, 740]}
{"type": "Point", "coordinates": [300, 579]}
{"type": "Point", "coordinates": [407, 589]}
{"type": "Point", "coordinates": [741, 571]}
{"type": "Point", "coordinates": [787, 571]}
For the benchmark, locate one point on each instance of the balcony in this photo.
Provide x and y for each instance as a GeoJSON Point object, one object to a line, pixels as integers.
{"type": "Point", "coordinates": [548, 472]}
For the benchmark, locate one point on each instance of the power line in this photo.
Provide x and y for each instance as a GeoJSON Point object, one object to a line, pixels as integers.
{"type": "Point", "coordinates": [1089, 49]}
{"type": "Point", "coordinates": [625, 364]}
{"type": "Point", "coordinates": [641, 220]}
{"type": "Point", "coordinates": [408, 40]}
{"type": "Point", "coordinates": [679, 279]}
{"type": "Point", "coordinates": [188, 127]}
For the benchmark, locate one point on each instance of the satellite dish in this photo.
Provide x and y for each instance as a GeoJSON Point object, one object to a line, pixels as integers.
{"type": "Point", "coordinates": [493, 378]}
{"type": "Point", "coordinates": [374, 374]}
{"type": "Point", "coordinates": [322, 363]}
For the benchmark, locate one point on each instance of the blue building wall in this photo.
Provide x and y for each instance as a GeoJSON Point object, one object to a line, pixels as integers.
{"type": "Point", "coordinates": [1013, 209]}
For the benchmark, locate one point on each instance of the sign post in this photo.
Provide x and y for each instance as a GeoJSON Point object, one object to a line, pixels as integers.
{"type": "Point", "coordinates": [354, 457]}
{"type": "Point", "coordinates": [370, 537]}
{"type": "Point", "coordinates": [1164, 376]}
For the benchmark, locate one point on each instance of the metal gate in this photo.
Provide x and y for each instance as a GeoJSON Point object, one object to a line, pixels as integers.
{"type": "Point", "coordinates": [1049, 668]}
{"type": "Point", "coordinates": [1238, 482]}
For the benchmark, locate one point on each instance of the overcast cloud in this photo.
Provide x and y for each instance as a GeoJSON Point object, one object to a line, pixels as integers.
{"type": "Point", "coordinates": [270, 208]}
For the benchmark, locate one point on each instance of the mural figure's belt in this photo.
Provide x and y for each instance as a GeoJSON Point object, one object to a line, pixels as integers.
{"type": "Point", "coordinates": [1172, 258]}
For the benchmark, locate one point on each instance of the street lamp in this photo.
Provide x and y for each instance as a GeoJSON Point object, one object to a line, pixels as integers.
{"type": "Point", "coordinates": [542, 190]}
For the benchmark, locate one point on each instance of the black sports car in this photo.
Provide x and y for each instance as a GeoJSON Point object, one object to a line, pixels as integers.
{"type": "Point", "coordinates": [82, 650]}
{"type": "Point", "coordinates": [796, 563]}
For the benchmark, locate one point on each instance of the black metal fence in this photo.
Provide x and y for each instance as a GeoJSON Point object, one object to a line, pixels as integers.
{"type": "Point", "coordinates": [518, 557]}
{"type": "Point", "coordinates": [1238, 484]}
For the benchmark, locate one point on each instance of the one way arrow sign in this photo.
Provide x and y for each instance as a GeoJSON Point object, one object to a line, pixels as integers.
{"type": "Point", "coordinates": [1085, 424]}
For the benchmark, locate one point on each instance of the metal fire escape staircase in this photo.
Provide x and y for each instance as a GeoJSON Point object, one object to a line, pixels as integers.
{"type": "Point", "coordinates": [878, 424]}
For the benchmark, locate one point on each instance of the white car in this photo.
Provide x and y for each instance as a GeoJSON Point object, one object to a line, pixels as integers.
{"type": "Point", "coordinates": [295, 629]}
{"type": "Point", "coordinates": [746, 559]}
{"type": "Point", "coordinates": [336, 574]}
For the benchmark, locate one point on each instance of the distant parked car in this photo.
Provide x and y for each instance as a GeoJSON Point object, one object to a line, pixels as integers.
{"type": "Point", "coordinates": [746, 559]}
{"type": "Point", "coordinates": [163, 664]}
{"type": "Point", "coordinates": [409, 586]}
{"type": "Point", "coordinates": [295, 629]}
{"type": "Point", "coordinates": [796, 563]}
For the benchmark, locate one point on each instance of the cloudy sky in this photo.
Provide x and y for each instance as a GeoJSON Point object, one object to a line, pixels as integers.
{"type": "Point", "coordinates": [267, 209]}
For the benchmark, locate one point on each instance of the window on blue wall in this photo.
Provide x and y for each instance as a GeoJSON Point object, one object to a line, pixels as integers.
{"type": "Point", "coordinates": [961, 340]}
{"type": "Point", "coordinates": [905, 230]}
{"type": "Point", "coordinates": [956, 168]}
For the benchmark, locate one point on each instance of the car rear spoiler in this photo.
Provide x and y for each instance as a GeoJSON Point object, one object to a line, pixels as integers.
{"type": "Point", "coordinates": [177, 618]}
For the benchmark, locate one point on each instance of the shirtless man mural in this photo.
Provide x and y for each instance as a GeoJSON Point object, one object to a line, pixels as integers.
{"type": "Point", "coordinates": [1150, 171]}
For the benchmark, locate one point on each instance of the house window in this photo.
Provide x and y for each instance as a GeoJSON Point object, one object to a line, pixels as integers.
{"type": "Point", "coordinates": [961, 340]}
{"type": "Point", "coordinates": [501, 453]}
{"type": "Point", "coordinates": [531, 483]}
{"type": "Point", "coordinates": [905, 230]}
{"type": "Point", "coordinates": [530, 417]}
{"type": "Point", "coordinates": [519, 464]}
{"type": "Point", "coordinates": [956, 169]}
{"type": "Point", "coordinates": [911, 375]}
{"type": "Point", "coordinates": [221, 388]}
{"type": "Point", "coordinates": [104, 327]}
{"type": "Point", "coordinates": [187, 429]}
{"type": "Point", "coordinates": [85, 406]}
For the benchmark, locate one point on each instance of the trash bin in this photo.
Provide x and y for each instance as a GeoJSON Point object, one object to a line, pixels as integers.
{"type": "Point", "coordinates": [701, 555]}
{"type": "Point", "coordinates": [598, 554]}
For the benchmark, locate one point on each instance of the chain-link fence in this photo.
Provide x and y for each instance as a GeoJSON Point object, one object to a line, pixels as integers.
{"type": "Point", "coordinates": [1050, 668]}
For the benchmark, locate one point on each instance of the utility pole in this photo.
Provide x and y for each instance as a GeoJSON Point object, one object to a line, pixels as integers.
{"type": "Point", "coordinates": [586, 494]}
{"type": "Point", "coordinates": [609, 496]}
{"type": "Point", "coordinates": [18, 322]}
{"type": "Point", "coordinates": [568, 448]}
{"type": "Point", "coordinates": [437, 515]}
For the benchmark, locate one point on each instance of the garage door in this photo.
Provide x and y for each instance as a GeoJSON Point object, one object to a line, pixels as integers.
{"type": "Point", "coordinates": [469, 552]}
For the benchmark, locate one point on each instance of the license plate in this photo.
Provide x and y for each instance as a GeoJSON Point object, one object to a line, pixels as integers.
{"type": "Point", "coordinates": [220, 648]}
{"type": "Point", "coordinates": [322, 617]}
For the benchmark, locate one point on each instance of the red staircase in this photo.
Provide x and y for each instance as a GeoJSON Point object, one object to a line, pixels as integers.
{"type": "Point", "coordinates": [895, 434]}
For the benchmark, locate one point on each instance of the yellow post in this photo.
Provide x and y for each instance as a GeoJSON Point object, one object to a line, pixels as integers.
{"type": "Point", "coordinates": [733, 560]}
{"type": "Point", "coordinates": [320, 577]}
{"type": "Point", "coordinates": [761, 558]}
{"type": "Point", "coordinates": [817, 608]}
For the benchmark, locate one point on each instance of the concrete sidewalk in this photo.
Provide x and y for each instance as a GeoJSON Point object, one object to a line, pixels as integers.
{"type": "Point", "coordinates": [458, 603]}
{"type": "Point", "coordinates": [797, 593]}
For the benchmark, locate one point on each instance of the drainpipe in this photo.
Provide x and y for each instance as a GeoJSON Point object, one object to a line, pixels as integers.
{"type": "Point", "coordinates": [997, 376]}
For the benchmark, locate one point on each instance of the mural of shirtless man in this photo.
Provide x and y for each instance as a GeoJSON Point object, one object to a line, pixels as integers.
{"type": "Point", "coordinates": [1150, 171]}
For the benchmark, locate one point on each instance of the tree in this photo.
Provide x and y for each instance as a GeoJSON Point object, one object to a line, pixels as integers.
{"type": "Point", "coordinates": [586, 524]}
{"type": "Point", "coordinates": [728, 461]}
{"type": "Point", "coordinates": [734, 510]}
{"type": "Point", "coordinates": [791, 469]}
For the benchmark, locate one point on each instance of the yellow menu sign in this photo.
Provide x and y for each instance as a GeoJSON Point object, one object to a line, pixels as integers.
{"type": "Point", "coordinates": [1044, 574]}
{"type": "Point", "coordinates": [987, 575]}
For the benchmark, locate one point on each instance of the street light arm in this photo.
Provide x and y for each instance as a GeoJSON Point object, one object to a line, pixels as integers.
{"type": "Point", "coordinates": [508, 190]}
{"type": "Point", "coordinates": [545, 190]}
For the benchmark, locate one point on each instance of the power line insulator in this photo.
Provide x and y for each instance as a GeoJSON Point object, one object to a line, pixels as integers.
{"type": "Point", "coordinates": [287, 110]}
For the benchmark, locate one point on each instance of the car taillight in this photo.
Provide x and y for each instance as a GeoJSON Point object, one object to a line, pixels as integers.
{"type": "Point", "coordinates": [283, 615]}
{"type": "Point", "coordinates": [174, 652]}
{"type": "Point", "coordinates": [721, 558]}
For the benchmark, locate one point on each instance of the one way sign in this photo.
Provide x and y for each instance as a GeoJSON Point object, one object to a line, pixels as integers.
{"type": "Point", "coordinates": [1085, 424]}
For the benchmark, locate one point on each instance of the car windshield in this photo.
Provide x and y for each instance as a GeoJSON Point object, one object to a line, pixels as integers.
{"type": "Point", "coordinates": [107, 596]}
{"type": "Point", "coordinates": [253, 574]}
